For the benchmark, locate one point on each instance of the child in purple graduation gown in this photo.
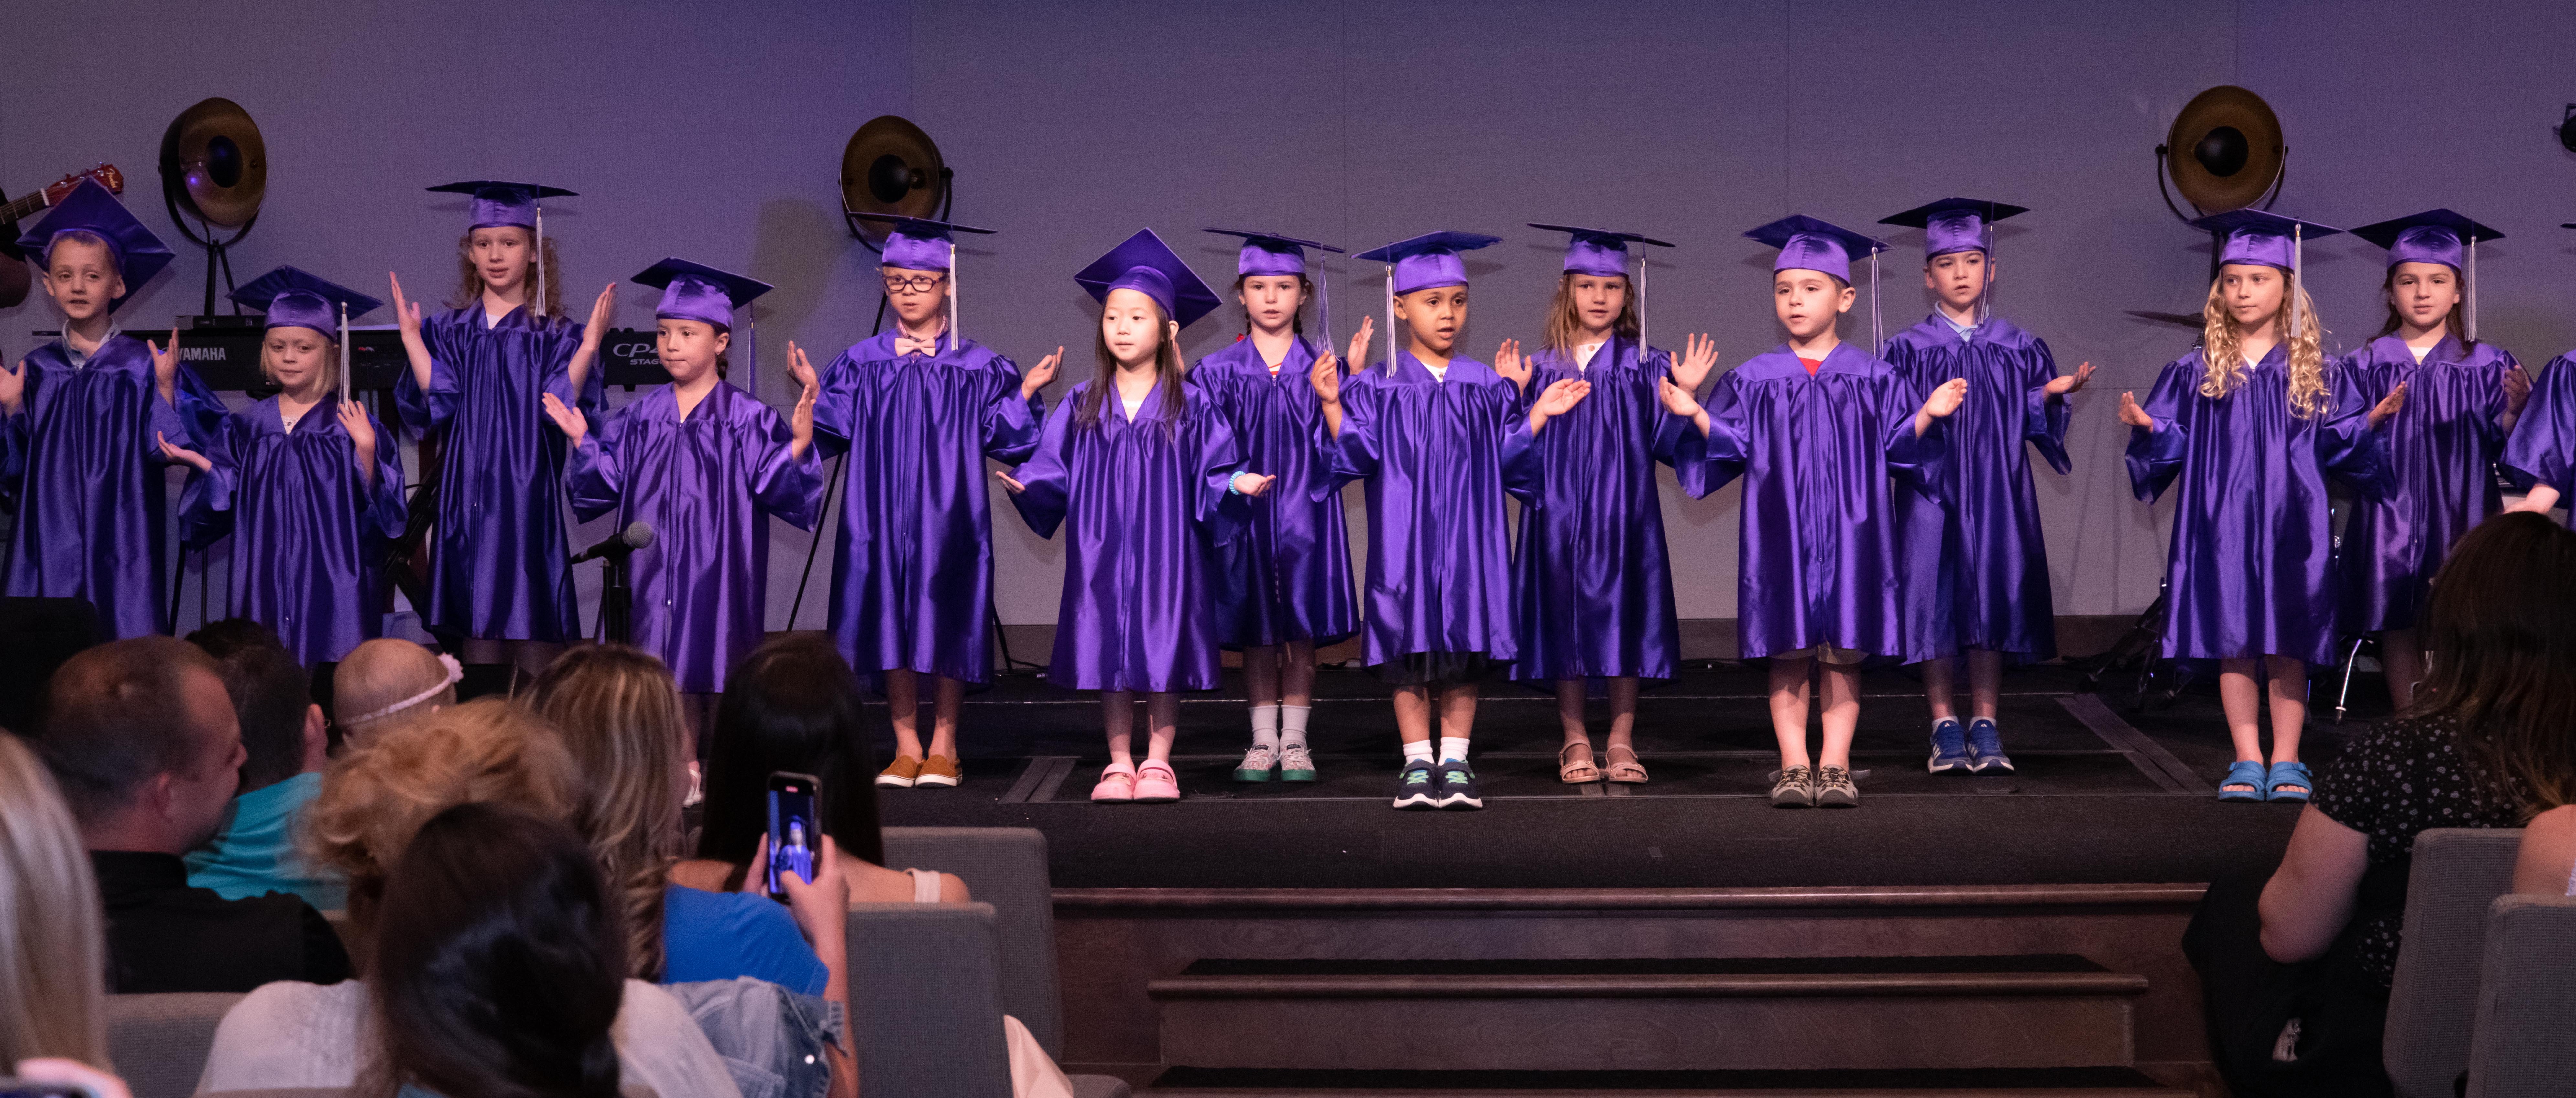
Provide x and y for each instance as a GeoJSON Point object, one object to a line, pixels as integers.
{"type": "Point", "coordinates": [919, 410]}
{"type": "Point", "coordinates": [2542, 449]}
{"type": "Point", "coordinates": [499, 582]}
{"type": "Point", "coordinates": [1591, 582]}
{"type": "Point", "coordinates": [1140, 462]}
{"type": "Point", "coordinates": [1287, 582]}
{"type": "Point", "coordinates": [308, 484]}
{"type": "Point", "coordinates": [1441, 439]}
{"type": "Point", "coordinates": [2252, 423]}
{"type": "Point", "coordinates": [1976, 567]}
{"type": "Point", "coordinates": [82, 420]}
{"type": "Point", "coordinates": [707, 466]}
{"type": "Point", "coordinates": [2440, 450]}
{"type": "Point", "coordinates": [1816, 427]}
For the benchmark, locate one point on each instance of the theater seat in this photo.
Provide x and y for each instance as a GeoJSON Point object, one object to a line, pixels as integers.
{"type": "Point", "coordinates": [1007, 868]}
{"type": "Point", "coordinates": [2433, 1002]}
{"type": "Point", "coordinates": [158, 1043]}
{"type": "Point", "coordinates": [2521, 1047]}
{"type": "Point", "coordinates": [926, 1004]}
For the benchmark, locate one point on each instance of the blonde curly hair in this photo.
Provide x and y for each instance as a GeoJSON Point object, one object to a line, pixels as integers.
{"type": "Point", "coordinates": [2221, 354]}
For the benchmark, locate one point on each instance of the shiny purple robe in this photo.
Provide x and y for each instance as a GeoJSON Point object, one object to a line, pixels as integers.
{"type": "Point", "coordinates": [1975, 560]}
{"type": "Point", "coordinates": [1591, 582]}
{"type": "Point", "coordinates": [310, 536]}
{"type": "Point", "coordinates": [912, 573]}
{"type": "Point", "coordinates": [1149, 503]}
{"type": "Point", "coordinates": [2251, 570]}
{"type": "Point", "coordinates": [81, 468]}
{"type": "Point", "coordinates": [2543, 447]}
{"type": "Point", "coordinates": [1439, 457]}
{"type": "Point", "coordinates": [497, 566]}
{"type": "Point", "coordinates": [1816, 546]}
{"type": "Point", "coordinates": [2438, 454]}
{"type": "Point", "coordinates": [708, 484]}
{"type": "Point", "coordinates": [1288, 577]}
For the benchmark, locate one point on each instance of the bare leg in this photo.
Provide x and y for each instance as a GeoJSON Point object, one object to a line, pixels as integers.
{"type": "Point", "coordinates": [903, 704]}
{"type": "Point", "coordinates": [1623, 712]}
{"type": "Point", "coordinates": [1985, 681]}
{"type": "Point", "coordinates": [1458, 710]}
{"type": "Point", "coordinates": [943, 729]}
{"type": "Point", "coordinates": [2243, 700]}
{"type": "Point", "coordinates": [1841, 691]}
{"type": "Point", "coordinates": [1162, 725]}
{"type": "Point", "coordinates": [1118, 719]}
{"type": "Point", "coordinates": [1937, 689]}
{"type": "Point", "coordinates": [2289, 697]}
{"type": "Point", "coordinates": [1261, 674]}
{"type": "Point", "coordinates": [1789, 707]}
{"type": "Point", "coordinates": [530, 656]}
{"type": "Point", "coordinates": [1297, 673]}
{"type": "Point", "coordinates": [1413, 714]}
{"type": "Point", "coordinates": [2401, 655]}
{"type": "Point", "coordinates": [1569, 711]}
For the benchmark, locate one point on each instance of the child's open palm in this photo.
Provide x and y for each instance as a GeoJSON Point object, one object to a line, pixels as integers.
{"type": "Point", "coordinates": [2517, 390]}
{"type": "Point", "coordinates": [2061, 386]}
{"type": "Point", "coordinates": [1946, 399]}
{"type": "Point", "coordinates": [1509, 363]}
{"type": "Point", "coordinates": [165, 364]}
{"type": "Point", "coordinates": [800, 424]}
{"type": "Point", "coordinates": [181, 455]}
{"type": "Point", "coordinates": [1357, 357]}
{"type": "Point", "coordinates": [2133, 415]}
{"type": "Point", "coordinates": [1010, 482]}
{"type": "Point", "coordinates": [1041, 375]}
{"type": "Point", "coordinates": [1699, 356]}
{"type": "Point", "coordinates": [362, 434]}
{"type": "Point", "coordinates": [1677, 399]}
{"type": "Point", "coordinates": [1561, 397]}
{"type": "Point", "coordinates": [567, 420]}
{"type": "Point", "coordinates": [2388, 406]}
{"type": "Point", "coordinates": [1253, 484]}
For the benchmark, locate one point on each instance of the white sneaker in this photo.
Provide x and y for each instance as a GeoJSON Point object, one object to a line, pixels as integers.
{"type": "Point", "coordinates": [1257, 763]}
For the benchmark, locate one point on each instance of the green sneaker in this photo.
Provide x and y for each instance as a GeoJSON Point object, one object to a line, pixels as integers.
{"type": "Point", "coordinates": [1296, 764]}
{"type": "Point", "coordinates": [1257, 764]}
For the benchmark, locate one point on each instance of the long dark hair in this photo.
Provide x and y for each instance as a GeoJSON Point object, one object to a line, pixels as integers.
{"type": "Point", "coordinates": [2458, 320]}
{"type": "Point", "coordinates": [1168, 371]}
{"type": "Point", "coordinates": [1296, 320]}
{"type": "Point", "coordinates": [2501, 628]}
{"type": "Point", "coordinates": [792, 705]}
{"type": "Point", "coordinates": [500, 963]}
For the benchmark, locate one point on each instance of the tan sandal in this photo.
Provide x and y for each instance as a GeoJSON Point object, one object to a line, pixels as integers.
{"type": "Point", "coordinates": [1626, 771]}
{"type": "Point", "coordinates": [1576, 773]}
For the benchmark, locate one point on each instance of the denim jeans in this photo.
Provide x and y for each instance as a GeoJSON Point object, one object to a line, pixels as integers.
{"type": "Point", "coordinates": [772, 1040]}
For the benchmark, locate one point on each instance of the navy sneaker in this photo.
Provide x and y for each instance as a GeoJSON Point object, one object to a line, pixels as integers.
{"type": "Point", "coordinates": [1986, 749]}
{"type": "Point", "coordinates": [1414, 787]}
{"type": "Point", "coordinates": [1950, 748]}
{"type": "Point", "coordinates": [1458, 785]}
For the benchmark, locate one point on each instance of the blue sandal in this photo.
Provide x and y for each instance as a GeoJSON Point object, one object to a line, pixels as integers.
{"type": "Point", "coordinates": [2294, 775]}
{"type": "Point", "coordinates": [2245, 773]}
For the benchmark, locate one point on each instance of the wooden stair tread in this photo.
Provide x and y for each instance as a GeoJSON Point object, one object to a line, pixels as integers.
{"type": "Point", "coordinates": [2032, 975]}
{"type": "Point", "coordinates": [2092, 1082]}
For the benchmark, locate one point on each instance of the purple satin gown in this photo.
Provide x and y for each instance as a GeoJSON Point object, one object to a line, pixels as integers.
{"type": "Point", "coordinates": [2251, 570]}
{"type": "Point", "coordinates": [709, 484]}
{"type": "Point", "coordinates": [1816, 547]}
{"type": "Point", "coordinates": [81, 468]}
{"type": "Point", "coordinates": [912, 573]}
{"type": "Point", "coordinates": [1592, 584]}
{"type": "Point", "coordinates": [1439, 456]}
{"type": "Point", "coordinates": [498, 566]}
{"type": "Point", "coordinates": [1288, 577]}
{"type": "Point", "coordinates": [2438, 453]}
{"type": "Point", "coordinates": [310, 535]}
{"type": "Point", "coordinates": [1975, 559]}
{"type": "Point", "coordinates": [2543, 447]}
{"type": "Point", "coordinates": [1148, 502]}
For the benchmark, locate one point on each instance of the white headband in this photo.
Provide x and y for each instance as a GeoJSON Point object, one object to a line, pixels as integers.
{"type": "Point", "coordinates": [455, 674]}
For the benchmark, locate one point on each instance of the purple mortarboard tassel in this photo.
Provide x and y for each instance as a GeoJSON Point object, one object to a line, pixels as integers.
{"type": "Point", "coordinates": [1147, 265]}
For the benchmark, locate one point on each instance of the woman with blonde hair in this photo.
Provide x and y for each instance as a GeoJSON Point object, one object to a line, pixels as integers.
{"type": "Point", "coordinates": [2252, 423]}
{"type": "Point", "coordinates": [53, 953]}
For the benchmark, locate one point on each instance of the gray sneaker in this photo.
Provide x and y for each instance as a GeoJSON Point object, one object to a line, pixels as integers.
{"type": "Point", "coordinates": [1834, 788]}
{"type": "Point", "coordinates": [1796, 788]}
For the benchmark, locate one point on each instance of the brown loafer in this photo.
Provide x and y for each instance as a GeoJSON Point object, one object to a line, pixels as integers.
{"type": "Point", "coordinates": [902, 773]}
{"type": "Point", "coordinates": [939, 770]}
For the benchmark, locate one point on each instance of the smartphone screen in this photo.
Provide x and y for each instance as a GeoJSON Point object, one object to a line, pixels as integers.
{"type": "Point", "coordinates": [20, 1088]}
{"type": "Point", "coordinates": [795, 837]}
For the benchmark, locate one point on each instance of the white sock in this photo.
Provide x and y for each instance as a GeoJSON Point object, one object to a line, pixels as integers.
{"type": "Point", "coordinates": [1292, 725]}
{"type": "Point", "coordinates": [1417, 751]}
{"type": "Point", "coordinates": [1453, 749]}
{"type": "Point", "coordinates": [1265, 726]}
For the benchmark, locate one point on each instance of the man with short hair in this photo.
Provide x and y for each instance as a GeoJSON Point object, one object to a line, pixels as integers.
{"type": "Point", "coordinates": [142, 738]}
{"type": "Point", "coordinates": [286, 744]}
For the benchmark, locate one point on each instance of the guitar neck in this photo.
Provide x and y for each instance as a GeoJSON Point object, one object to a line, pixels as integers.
{"type": "Point", "coordinates": [20, 207]}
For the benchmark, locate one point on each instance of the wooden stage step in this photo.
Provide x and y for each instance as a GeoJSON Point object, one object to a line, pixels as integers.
{"type": "Point", "coordinates": [1971, 1083]}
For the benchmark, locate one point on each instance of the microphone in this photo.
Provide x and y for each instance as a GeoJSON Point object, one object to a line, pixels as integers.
{"type": "Point", "coordinates": [635, 536]}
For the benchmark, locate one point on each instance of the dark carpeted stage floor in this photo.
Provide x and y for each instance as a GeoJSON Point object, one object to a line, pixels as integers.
{"type": "Point", "coordinates": [2104, 794]}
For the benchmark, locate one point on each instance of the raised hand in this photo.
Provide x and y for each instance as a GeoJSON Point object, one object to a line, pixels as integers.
{"type": "Point", "coordinates": [13, 389]}
{"type": "Point", "coordinates": [407, 318]}
{"type": "Point", "coordinates": [602, 312]}
{"type": "Point", "coordinates": [1010, 482]}
{"type": "Point", "coordinates": [2062, 386]}
{"type": "Point", "coordinates": [1699, 356]}
{"type": "Point", "coordinates": [2517, 391]}
{"type": "Point", "coordinates": [1253, 484]}
{"type": "Point", "coordinates": [1508, 362]}
{"type": "Point", "coordinates": [1557, 399]}
{"type": "Point", "coordinates": [567, 420]}
{"type": "Point", "coordinates": [1326, 379]}
{"type": "Point", "coordinates": [165, 365]}
{"type": "Point", "coordinates": [1358, 356]}
{"type": "Point", "coordinates": [1041, 375]}
{"type": "Point", "coordinates": [1677, 400]}
{"type": "Point", "coordinates": [2133, 415]}
{"type": "Point", "coordinates": [181, 455]}
{"type": "Point", "coordinates": [2388, 406]}
{"type": "Point", "coordinates": [800, 423]}
{"type": "Point", "coordinates": [1946, 399]}
{"type": "Point", "coordinates": [362, 433]}
{"type": "Point", "coordinates": [799, 367]}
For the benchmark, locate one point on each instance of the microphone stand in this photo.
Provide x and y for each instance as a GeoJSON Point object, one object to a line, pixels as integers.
{"type": "Point", "coordinates": [617, 601]}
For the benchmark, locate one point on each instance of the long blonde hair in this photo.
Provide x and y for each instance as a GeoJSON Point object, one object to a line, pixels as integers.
{"type": "Point", "coordinates": [330, 364]}
{"type": "Point", "coordinates": [53, 995]}
{"type": "Point", "coordinates": [619, 713]}
{"type": "Point", "coordinates": [469, 278]}
{"type": "Point", "coordinates": [2221, 357]}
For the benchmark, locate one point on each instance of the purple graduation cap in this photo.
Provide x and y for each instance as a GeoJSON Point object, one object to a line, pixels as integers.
{"type": "Point", "coordinates": [1145, 264]}
{"type": "Point", "coordinates": [1955, 224]}
{"type": "Point", "coordinates": [291, 298]}
{"type": "Point", "coordinates": [2265, 239]}
{"type": "Point", "coordinates": [1605, 253]}
{"type": "Point", "coordinates": [497, 204]}
{"type": "Point", "coordinates": [920, 244]}
{"type": "Point", "coordinates": [2435, 236]}
{"type": "Point", "coordinates": [1422, 263]}
{"type": "Point", "coordinates": [90, 209]}
{"type": "Point", "coordinates": [695, 291]}
{"type": "Point", "coordinates": [1273, 254]}
{"type": "Point", "coordinates": [1807, 244]}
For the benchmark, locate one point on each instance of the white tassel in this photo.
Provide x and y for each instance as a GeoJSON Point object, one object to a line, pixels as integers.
{"type": "Point", "coordinates": [1641, 310]}
{"type": "Point", "coordinates": [1877, 335]}
{"type": "Point", "coordinates": [1391, 342]}
{"type": "Point", "coordinates": [2473, 288]}
{"type": "Point", "coordinates": [538, 307]}
{"type": "Point", "coordinates": [344, 351]}
{"type": "Point", "coordinates": [2298, 258]}
{"type": "Point", "coordinates": [955, 339]}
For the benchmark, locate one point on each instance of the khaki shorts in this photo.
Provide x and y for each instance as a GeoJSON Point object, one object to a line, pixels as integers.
{"type": "Point", "coordinates": [1839, 657]}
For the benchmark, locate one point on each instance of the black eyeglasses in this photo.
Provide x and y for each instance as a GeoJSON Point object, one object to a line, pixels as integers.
{"type": "Point", "coordinates": [919, 284]}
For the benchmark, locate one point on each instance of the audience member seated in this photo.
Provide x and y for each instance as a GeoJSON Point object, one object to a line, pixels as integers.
{"type": "Point", "coordinates": [619, 712]}
{"type": "Point", "coordinates": [2296, 974]}
{"type": "Point", "coordinates": [374, 801]}
{"type": "Point", "coordinates": [53, 1001]}
{"type": "Point", "coordinates": [793, 705]}
{"type": "Point", "coordinates": [142, 738]}
{"type": "Point", "coordinates": [2547, 863]}
{"type": "Point", "coordinates": [286, 741]}
{"type": "Point", "coordinates": [499, 969]}
{"type": "Point", "coordinates": [385, 681]}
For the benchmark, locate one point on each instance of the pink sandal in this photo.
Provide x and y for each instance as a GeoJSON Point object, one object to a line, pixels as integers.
{"type": "Point", "coordinates": [1117, 784]}
{"type": "Point", "coordinates": [1156, 784]}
